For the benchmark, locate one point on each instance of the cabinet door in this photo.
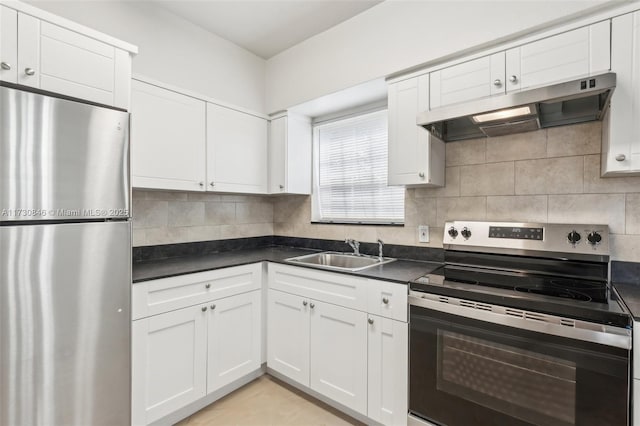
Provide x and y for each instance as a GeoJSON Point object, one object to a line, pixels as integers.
{"type": "Point", "coordinates": [474, 79]}
{"type": "Point", "coordinates": [8, 45]}
{"type": "Point", "coordinates": [167, 139]}
{"type": "Point", "coordinates": [236, 151]}
{"type": "Point", "coordinates": [388, 365]}
{"type": "Point", "coordinates": [339, 354]}
{"type": "Point", "coordinates": [277, 155]}
{"type": "Point", "coordinates": [288, 335]}
{"type": "Point", "coordinates": [28, 50]}
{"type": "Point", "coordinates": [621, 128]}
{"type": "Point", "coordinates": [581, 52]}
{"type": "Point", "coordinates": [234, 339]}
{"type": "Point", "coordinates": [169, 363]}
{"type": "Point", "coordinates": [76, 65]}
{"type": "Point", "coordinates": [411, 146]}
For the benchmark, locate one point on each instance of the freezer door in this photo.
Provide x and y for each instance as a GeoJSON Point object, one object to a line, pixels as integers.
{"type": "Point", "coordinates": [65, 324]}
{"type": "Point", "coordinates": [61, 159]}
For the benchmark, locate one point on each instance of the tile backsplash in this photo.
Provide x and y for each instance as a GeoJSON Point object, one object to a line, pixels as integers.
{"type": "Point", "coordinates": [163, 217]}
{"type": "Point", "coordinates": [550, 175]}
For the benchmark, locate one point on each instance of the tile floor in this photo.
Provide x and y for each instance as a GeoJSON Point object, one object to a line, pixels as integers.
{"type": "Point", "coordinates": [268, 402]}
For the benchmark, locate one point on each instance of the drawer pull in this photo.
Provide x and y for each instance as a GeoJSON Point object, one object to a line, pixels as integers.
{"type": "Point", "coordinates": [304, 303]}
{"type": "Point", "coordinates": [207, 285]}
{"type": "Point", "coordinates": [203, 309]}
{"type": "Point", "coordinates": [370, 320]}
{"type": "Point", "coordinates": [385, 300]}
{"type": "Point", "coordinates": [213, 306]}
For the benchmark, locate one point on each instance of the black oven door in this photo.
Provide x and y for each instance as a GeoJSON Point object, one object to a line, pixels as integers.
{"type": "Point", "coordinates": [466, 371]}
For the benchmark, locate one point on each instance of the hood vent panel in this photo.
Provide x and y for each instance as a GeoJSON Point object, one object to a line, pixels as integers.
{"type": "Point", "coordinates": [560, 104]}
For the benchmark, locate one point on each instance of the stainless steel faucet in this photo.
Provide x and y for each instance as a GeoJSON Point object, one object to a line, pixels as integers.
{"type": "Point", "coordinates": [380, 244]}
{"type": "Point", "coordinates": [355, 245]}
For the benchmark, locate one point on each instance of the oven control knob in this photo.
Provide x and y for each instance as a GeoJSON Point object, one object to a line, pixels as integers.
{"type": "Point", "coordinates": [453, 232]}
{"type": "Point", "coordinates": [466, 233]}
{"type": "Point", "coordinates": [594, 238]}
{"type": "Point", "coordinates": [573, 237]}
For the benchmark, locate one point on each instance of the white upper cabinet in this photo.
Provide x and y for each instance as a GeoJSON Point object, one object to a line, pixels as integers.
{"type": "Point", "coordinates": [477, 78]}
{"type": "Point", "coordinates": [42, 55]}
{"type": "Point", "coordinates": [621, 127]}
{"type": "Point", "coordinates": [236, 151]}
{"type": "Point", "coordinates": [290, 155]}
{"type": "Point", "coordinates": [167, 139]}
{"type": "Point", "coordinates": [8, 45]}
{"type": "Point", "coordinates": [179, 141]}
{"type": "Point", "coordinates": [573, 54]}
{"type": "Point", "coordinates": [415, 156]}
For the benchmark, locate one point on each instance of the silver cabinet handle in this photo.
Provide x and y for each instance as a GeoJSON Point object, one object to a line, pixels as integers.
{"type": "Point", "coordinates": [29, 71]}
{"type": "Point", "coordinates": [212, 184]}
{"type": "Point", "coordinates": [370, 321]}
{"type": "Point", "coordinates": [497, 82]}
{"type": "Point", "coordinates": [281, 186]}
{"type": "Point", "coordinates": [5, 65]}
{"type": "Point", "coordinates": [203, 309]}
{"type": "Point", "coordinates": [513, 79]}
{"type": "Point", "coordinates": [304, 303]}
{"type": "Point", "coordinates": [207, 285]}
{"type": "Point", "coordinates": [385, 300]}
{"type": "Point", "coordinates": [421, 174]}
{"type": "Point", "coordinates": [213, 306]}
{"type": "Point", "coordinates": [621, 157]}
{"type": "Point", "coordinates": [312, 305]}
{"type": "Point", "coordinates": [201, 184]}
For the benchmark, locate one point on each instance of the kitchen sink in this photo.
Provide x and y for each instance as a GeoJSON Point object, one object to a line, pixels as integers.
{"type": "Point", "coordinates": [340, 261]}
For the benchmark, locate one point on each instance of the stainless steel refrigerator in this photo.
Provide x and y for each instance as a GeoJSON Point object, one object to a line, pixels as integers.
{"type": "Point", "coordinates": [65, 262]}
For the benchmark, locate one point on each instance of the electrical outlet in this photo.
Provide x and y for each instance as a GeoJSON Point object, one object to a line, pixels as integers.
{"type": "Point", "coordinates": [423, 233]}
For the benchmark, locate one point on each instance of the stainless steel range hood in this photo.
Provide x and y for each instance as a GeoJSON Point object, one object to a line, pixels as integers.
{"type": "Point", "coordinates": [559, 104]}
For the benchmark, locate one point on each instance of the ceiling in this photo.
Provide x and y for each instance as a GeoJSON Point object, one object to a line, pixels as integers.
{"type": "Point", "coordinates": [266, 27]}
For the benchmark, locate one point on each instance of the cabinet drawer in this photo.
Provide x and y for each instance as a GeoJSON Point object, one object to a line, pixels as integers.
{"type": "Point", "coordinates": [339, 289]}
{"type": "Point", "coordinates": [387, 299]}
{"type": "Point", "coordinates": [167, 294]}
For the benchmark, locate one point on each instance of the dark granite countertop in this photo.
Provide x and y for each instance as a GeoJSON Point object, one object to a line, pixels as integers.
{"type": "Point", "coordinates": [630, 295]}
{"type": "Point", "coordinates": [400, 271]}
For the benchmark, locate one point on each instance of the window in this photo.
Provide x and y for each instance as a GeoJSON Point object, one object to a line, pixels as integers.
{"type": "Point", "coordinates": [350, 172]}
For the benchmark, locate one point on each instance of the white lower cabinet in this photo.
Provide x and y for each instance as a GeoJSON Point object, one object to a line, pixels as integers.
{"type": "Point", "coordinates": [169, 363]}
{"type": "Point", "coordinates": [288, 335]}
{"type": "Point", "coordinates": [234, 339]}
{"type": "Point", "coordinates": [187, 353]}
{"type": "Point", "coordinates": [339, 354]}
{"type": "Point", "coordinates": [343, 337]}
{"type": "Point", "coordinates": [388, 365]}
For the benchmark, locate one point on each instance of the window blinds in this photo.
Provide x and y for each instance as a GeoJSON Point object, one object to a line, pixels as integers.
{"type": "Point", "coordinates": [351, 172]}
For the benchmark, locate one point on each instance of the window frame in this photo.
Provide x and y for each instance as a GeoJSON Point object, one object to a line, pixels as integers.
{"type": "Point", "coordinates": [315, 196]}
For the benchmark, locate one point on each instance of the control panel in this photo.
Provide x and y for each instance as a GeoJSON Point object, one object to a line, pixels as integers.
{"type": "Point", "coordinates": [518, 233]}
{"type": "Point", "coordinates": [561, 238]}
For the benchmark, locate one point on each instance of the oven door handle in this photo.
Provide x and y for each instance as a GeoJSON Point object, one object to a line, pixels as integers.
{"type": "Point", "coordinates": [533, 321]}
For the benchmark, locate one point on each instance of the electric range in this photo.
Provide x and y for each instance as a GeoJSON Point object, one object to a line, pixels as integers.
{"type": "Point", "coordinates": [519, 327]}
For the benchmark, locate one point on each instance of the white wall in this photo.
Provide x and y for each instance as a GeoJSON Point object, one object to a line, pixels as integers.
{"type": "Point", "coordinates": [173, 50]}
{"type": "Point", "coordinates": [400, 34]}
